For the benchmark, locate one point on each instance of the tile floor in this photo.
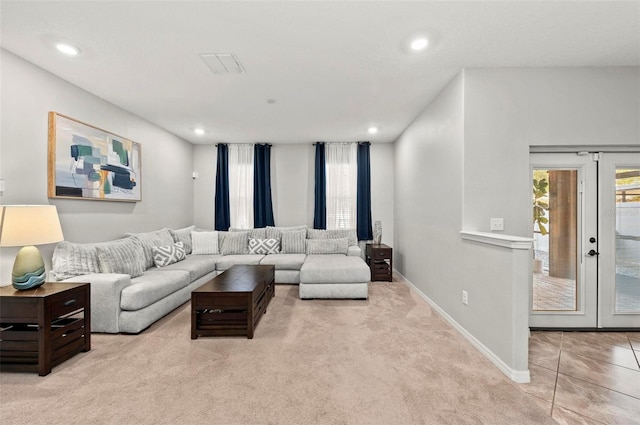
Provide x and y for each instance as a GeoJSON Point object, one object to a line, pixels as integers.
{"type": "Point", "coordinates": [586, 377]}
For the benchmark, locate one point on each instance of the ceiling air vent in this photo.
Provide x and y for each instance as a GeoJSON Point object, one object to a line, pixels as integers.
{"type": "Point", "coordinates": [222, 63]}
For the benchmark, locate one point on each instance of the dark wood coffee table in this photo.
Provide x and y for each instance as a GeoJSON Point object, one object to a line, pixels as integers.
{"type": "Point", "coordinates": [233, 302]}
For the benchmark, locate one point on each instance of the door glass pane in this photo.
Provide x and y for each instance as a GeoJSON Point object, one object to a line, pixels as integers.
{"type": "Point", "coordinates": [555, 233]}
{"type": "Point", "coordinates": [628, 240]}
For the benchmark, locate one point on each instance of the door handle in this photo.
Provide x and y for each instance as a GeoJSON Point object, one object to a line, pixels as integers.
{"type": "Point", "coordinates": [593, 253]}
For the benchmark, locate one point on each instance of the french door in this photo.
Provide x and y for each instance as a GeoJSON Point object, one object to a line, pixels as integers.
{"type": "Point", "coordinates": [586, 230]}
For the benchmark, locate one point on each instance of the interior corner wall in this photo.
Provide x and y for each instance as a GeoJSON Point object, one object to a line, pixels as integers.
{"type": "Point", "coordinates": [428, 199]}
{"type": "Point", "coordinates": [292, 185]}
{"type": "Point", "coordinates": [28, 94]}
{"type": "Point", "coordinates": [465, 159]}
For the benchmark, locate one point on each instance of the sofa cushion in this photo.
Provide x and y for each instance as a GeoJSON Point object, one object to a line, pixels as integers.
{"type": "Point", "coordinates": [205, 243]}
{"type": "Point", "coordinates": [166, 255]}
{"type": "Point", "coordinates": [293, 242]}
{"type": "Point", "coordinates": [235, 243]}
{"type": "Point", "coordinates": [334, 268]}
{"type": "Point", "coordinates": [284, 261]}
{"type": "Point", "coordinates": [327, 246]}
{"type": "Point", "coordinates": [226, 261]}
{"type": "Point", "coordinates": [124, 256]}
{"type": "Point", "coordinates": [276, 232]}
{"type": "Point", "coordinates": [152, 286]}
{"type": "Point", "coordinates": [183, 235]}
{"type": "Point", "coordinates": [264, 246]}
{"type": "Point", "coordinates": [334, 234]}
{"type": "Point", "coordinates": [160, 237]}
{"type": "Point", "coordinates": [260, 233]}
{"type": "Point", "coordinates": [196, 265]}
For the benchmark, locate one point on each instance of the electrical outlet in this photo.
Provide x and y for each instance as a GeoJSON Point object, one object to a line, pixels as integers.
{"type": "Point", "coordinates": [465, 297]}
{"type": "Point", "coordinates": [497, 224]}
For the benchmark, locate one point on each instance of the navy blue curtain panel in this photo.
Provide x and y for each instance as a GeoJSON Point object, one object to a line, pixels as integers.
{"type": "Point", "coordinates": [363, 214]}
{"type": "Point", "coordinates": [262, 204]}
{"type": "Point", "coordinates": [222, 213]}
{"type": "Point", "coordinates": [320, 208]}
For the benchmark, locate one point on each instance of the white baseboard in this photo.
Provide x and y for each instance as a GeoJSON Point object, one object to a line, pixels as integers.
{"type": "Point", "coordinates": [519, 376]}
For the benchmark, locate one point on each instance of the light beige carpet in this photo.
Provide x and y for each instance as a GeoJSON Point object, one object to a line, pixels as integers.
{"type": "Point", "coordinates": [388, 360]}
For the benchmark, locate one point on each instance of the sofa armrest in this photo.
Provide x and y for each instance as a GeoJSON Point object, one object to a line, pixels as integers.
{"type": "Point", "coordinates": [105, 299]}
{"type": "Point", "coordinates": [354, 251]}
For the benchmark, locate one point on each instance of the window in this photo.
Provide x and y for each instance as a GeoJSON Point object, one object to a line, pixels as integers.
{"type": "Point", "coordinates": [241, 185]}
{"type": "Point", "coordinates": [341, 185]}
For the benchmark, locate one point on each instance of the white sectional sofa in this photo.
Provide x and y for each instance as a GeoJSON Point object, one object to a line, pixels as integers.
{"type": "Point", "coordinates": [138, 279]}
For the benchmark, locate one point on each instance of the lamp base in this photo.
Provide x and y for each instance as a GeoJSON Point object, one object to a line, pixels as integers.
{"type": "Point", "coordinates": [28, 269]}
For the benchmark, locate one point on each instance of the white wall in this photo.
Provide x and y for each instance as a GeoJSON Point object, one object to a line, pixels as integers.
{"type": "Point", "coordinates": [508, 110]}
{"type": "Point", "coordinates": [292, 185]}
{"type": "Point", "coordinates": [465, 159]}
{"type": "Point", "coordinates": [28, 94]}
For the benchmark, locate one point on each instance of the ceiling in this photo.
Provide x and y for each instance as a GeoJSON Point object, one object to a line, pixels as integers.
{"type": "Point", "coordinates": [334, 68]}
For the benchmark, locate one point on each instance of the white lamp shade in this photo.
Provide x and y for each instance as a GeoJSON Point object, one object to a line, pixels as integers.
{"type": "Point", "coordinates": [22, 225]}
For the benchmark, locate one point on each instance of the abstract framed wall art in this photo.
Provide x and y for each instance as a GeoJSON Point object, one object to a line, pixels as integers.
{"type": "Point", "coordinates": [86, 162]}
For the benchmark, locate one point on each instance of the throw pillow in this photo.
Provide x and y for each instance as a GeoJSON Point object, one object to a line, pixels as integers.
{"type": "Point", "coordinates": [264, 246]}
{"type": "Point", "coordinates": [235, 243]}
{"type": "Point", "coordinates": [165, 255]}
{"type": "Point", "coordinates": [183, 235]}
{"type": "Point", "coordinates": [205, 243]}
{"type": "Point", "coordinates": [334, 234]}
{"type": "Point", "coordinates": [328, 246]}
{"type": "Point", "coordinates": [276, 232]}
{"type": "Point", "coordinates": [293, 242]}
{"type": "Point", "coordinates": [160, 237]}
{"type": "Point", "coordinates": [121, 256]}
{"type": "Point", "coordinates": [260, 233]}
{"type": "Point", "coordinates": [74, 259]}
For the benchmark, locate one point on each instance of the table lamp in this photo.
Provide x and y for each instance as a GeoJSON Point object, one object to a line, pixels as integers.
{"type": "Point", "coordinates": [25, 226]}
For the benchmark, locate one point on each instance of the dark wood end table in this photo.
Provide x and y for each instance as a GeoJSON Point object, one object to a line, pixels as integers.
{"type": "Point", "coordinates": [380, 261]}
{"type": "Point", "coordinates": [42, 327]}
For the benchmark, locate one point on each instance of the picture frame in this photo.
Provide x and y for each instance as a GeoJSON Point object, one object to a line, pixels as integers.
{"type": "Point", "coordinates": [89, 163]}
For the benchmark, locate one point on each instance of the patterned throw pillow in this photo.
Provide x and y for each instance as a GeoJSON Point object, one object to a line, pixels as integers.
{"type": "Point", "coordinates": [205, 243]}
{"type": "Point", "coordinates": [122, 256]}
{"type": "Point", "coordinates": [264, 246]}
{"type": "Point", "coordinates": [293, 242]}
{"type": "Point", "coordinates": [328, 246]}
{"type": "Point", "coordinates": [235, 243]}
{"type": "Point", "coordinates": [165, 255]}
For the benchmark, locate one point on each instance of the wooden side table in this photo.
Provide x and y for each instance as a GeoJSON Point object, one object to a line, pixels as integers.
{"type": "Point", "coordinates": [42, 327]}
{"type": "Point", "coordinates": [380, 261]}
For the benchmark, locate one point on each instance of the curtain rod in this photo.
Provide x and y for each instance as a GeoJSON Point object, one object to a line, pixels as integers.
{"type": "Point", "coordinates": [262, 144]}
{"type": "Point", "coordinates": [342, 143]}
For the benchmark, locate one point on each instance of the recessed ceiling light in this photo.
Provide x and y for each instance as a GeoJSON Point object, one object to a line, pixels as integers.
{"type": "Point", "coordinates": [271, 101]}
{"type": "Point", "coordinates": [67, 49]}
{"type": "Point", "coordinates": [419, 43]}
{"type": "Point", "coordinates": [199, 131]}
{"type": "Point", "coordinates": [372, 130]}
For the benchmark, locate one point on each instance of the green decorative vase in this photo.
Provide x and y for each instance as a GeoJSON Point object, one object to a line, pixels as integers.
{"type": "Point", "coordinates": [28, 269]}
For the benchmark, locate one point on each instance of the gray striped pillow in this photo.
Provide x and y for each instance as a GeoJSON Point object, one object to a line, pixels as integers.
{"type": "Point", "coordinates": [259, 233]}
{"type": "Point", "coordinates": [334, 234]}
{"type": "Point", "coordinates": [184, 236]}
{"type": "Point", "coordinates": [74, 259]}
{"type": "Point", "coordinates": [122, 256]}
{"type": "Point", "coordinates": [235, 243]}
{"type": "Point", "coordinates": [276, 232]}
{"type": "Point", "coordinates": [160, 237]}
{"type": "Point", "coordinates": [328, 246]}
{"type": "Point", "coordinates": [293, 242]}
